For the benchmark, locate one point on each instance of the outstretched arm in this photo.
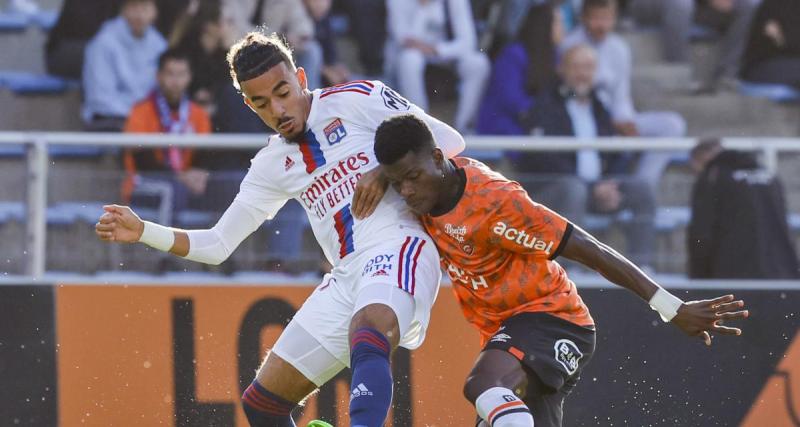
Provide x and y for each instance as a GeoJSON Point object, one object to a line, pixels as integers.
{"type": "Point", "coordinates": [212, 246]}
{"type": "Point", "coordinates": [695, 318]}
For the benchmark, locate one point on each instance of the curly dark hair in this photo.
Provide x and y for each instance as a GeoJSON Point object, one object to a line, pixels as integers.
{"type": "Point", "coordinates": [400, 135]}
{"type": "Point", "coordinates": [255, 54]}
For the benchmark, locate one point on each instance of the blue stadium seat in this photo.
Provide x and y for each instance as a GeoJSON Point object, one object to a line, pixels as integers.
{"type": "Point", "coordinates": [194, 219]}
{"type": "Point", "coordinates": [21, 82]}
{"type": "Point", "coordinates": [774, 92]}
{"type": "Point", "coordinates": [794, 221]}
{"type": "Point", "coordinates": [71, 212]}
{"type": "Point", "coordinates": [71, 151]}
{"type": "Point", "coordinates": [45, 19]}
{"type": "Point", "coordinates": [669, 218]}
{"type": "Point", "coordinates": [13, 21]}
{"type": "Point", "coordinates": [12, 211]}
{"type": "Point", "coordinates": [12, 150]}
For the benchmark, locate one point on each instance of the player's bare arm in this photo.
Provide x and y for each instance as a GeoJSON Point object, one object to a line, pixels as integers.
{"type": "Point", "coordinates": [695, 318]}
{"type": "Point", "coordinates": [121, 224]}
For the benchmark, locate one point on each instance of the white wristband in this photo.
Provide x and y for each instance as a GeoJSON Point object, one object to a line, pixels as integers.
{"type": "Point", "coordinates": [665, 304]}
{"type": "Point", "coordinates": [157, 236]}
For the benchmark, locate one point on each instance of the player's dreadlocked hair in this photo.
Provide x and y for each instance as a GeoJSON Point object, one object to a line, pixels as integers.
{"type": "Point", "coordinates": [255, 54]}
{"type": "Point", "coordinates": [399, 135]}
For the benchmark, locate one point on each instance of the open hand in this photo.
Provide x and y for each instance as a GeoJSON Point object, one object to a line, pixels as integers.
{"type": "Point", "coordinates": [369, 192]}
{"type": "Point", "coordinates": [119, 224]}
{"type": "Point", "coordinates": [700, 318]}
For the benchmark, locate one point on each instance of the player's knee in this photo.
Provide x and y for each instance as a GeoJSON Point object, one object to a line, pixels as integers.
{"type": "Point", "coordinates": [379, 317]}
{"type": "Point", "coordinates": [475, 385]}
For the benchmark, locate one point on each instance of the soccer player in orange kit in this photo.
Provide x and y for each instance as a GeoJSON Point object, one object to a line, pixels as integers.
{"type": "Point", "coordinates": [499, 249]}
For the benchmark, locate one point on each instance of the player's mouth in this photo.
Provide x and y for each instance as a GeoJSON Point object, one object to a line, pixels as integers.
{"type": "Point", "coordinates": [286, 127]}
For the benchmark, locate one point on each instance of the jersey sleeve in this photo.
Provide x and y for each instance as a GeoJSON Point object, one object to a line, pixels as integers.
{"type": "Point", "coordinates": [523, 226]}
{"type": "Point", "coordinates": [257, 190]}
{"type": "Point", "coordinates": [384, 102]}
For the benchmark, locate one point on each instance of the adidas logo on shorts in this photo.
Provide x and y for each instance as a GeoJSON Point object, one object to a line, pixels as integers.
{"type": "Point", "coordinates": [360, 390]}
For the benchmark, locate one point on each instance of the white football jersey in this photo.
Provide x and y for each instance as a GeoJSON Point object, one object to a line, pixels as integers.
{"type": "Point", "coordinates": [322, 169]}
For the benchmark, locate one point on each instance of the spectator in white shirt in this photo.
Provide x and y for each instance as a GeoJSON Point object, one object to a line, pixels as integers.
{"type": "Point", "coordinates": [613, 83]}
{"type": "Point", "coordinates": [441, 32]}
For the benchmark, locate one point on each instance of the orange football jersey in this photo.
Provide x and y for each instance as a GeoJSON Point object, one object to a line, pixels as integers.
{"type": "Point", "coordinates": [497, 246]}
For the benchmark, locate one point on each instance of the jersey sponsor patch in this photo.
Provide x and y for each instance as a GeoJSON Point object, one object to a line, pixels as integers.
{"type": "Point", "coordinates": [379, 265]}
{"type": "Point", "coordinates": [394, 101]}
{"type": "Point", "coordinates": [335, 132]}
{"type": "Point", "coordinates": [288, 163]}
{"type": "Point", "coordinates": [567, 354]}
{"type": "Point", "coordinates": [522, 238]}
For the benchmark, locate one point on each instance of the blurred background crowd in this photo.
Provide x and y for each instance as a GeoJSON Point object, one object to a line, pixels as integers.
{"type": "Point", "coordinates": [586, 69]}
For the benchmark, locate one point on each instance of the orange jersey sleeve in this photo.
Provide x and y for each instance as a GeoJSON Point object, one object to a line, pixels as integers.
{"type": "Point", "coordinates": [498, 248]}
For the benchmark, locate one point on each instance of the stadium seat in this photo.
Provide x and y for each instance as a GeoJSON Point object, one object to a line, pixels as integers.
{"type": "Point", "coordinates": [45, 19]}
{"type": "Point", "coordinates": [73, 151]}
{"type": "Point", "coordinates": [12, 150]}
{"type": "Point", "coordinates": [20, 83]}
{"type": "Point", "coordinates": [774, 92]}
{"type": "Point", "coordinates": [12, 211]}
{"type": "Point", "coordinates": [71, 212]}
{"type": "Point", "coordinates": [194, 219]}
{"type": "Point", "coordinates": [669, 218]}
{"type": "Point", "coordinates": [13, 21]}
{"type": "Point", "coordinates": [794, 221]}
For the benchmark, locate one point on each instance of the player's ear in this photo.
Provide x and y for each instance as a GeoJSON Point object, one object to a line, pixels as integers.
{"type": "Point", "coordinates": [438, 157]}
{"type": "Point", "coordinates": [301, 77]}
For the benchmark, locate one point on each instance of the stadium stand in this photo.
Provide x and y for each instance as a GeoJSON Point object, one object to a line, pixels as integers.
{"type": "Point", "coordinates": [82, 178]}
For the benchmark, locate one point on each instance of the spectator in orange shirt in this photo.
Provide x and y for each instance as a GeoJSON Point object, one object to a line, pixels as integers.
{"type": "Point", "coordinates": [167, 174]}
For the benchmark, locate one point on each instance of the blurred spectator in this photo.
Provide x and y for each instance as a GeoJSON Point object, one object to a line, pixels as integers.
{"type": "Point", "coordinates": [613, 83]}
{"type": "Point", "coordinates": [206, 42]}
{"type": "Point", "coordinates": [729, 18]}
{"type": "Point", "coordinates": [773, 47]}
{"type": "Point", "coordinates": [120, 67]}
{"type": "Point", "coordinates": [522, 70]}
{"type": "Point", "coordinates": [368, 28]}
{"type": "Point", "coordinates": [738, 228]}
{"type": "Point", "coordinates": [438, 32]}
{"type": "Point", "coordinates": [613, 79]}
{"type": "Point", "coordinates": [333, 71]}
{"type": "Point", "coordinates": [78, 22]}
{"type": "Point", "coordinates": [588, 181]}
{"type": "Point", "coordinates": [288, 18]}
{"type": "Point", "coordinates": [166, 174]}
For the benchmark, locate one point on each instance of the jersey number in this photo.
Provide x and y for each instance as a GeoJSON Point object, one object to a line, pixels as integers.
{"type": "Point", "coordinates": [394, 101]}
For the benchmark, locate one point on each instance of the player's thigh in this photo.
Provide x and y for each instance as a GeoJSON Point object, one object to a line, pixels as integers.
{"type": "Point", "coordinates": [546, 405]}
{"type": "Point", "coordinates": [297, 364]}
{"type": "Point", "coordinates": [385, 308]}
{"type": "Point", "coordinates": [396, 284]}
{"type": "Point", "coordinates": [495, 368]}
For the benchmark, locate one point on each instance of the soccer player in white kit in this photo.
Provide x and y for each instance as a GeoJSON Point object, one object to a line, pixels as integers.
{"type": "Point", "coordinates": [386, 271]}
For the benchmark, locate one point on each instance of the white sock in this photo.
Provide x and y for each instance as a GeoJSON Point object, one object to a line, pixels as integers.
{"type": "Point", "coordinates": [500, 407]}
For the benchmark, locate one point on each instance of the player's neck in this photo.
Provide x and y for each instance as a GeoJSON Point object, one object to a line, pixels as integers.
{"type": "Point", "coordinates": [454, 182]}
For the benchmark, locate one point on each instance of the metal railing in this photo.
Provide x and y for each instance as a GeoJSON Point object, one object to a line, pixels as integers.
{"type": "Point", "coordinates": [37, 160]}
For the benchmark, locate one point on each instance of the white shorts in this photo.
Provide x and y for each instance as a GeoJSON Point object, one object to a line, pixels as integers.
{"type": "Point", "coordinates": [402, 273]}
